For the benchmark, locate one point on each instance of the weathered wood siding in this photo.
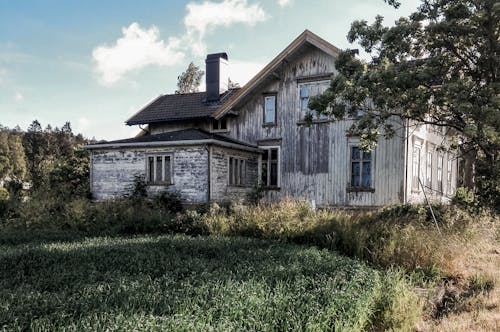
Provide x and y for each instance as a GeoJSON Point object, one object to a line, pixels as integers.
{"type": "Point", "coordinates": [113, 171]}
{"type": "Point", "coordinates": [434, 140]}
{"type": "Point", "coordinates": [315, 160]}
{"type": "Point", "coordinates": [220, 190]}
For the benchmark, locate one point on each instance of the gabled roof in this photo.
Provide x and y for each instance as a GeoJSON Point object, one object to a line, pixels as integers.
{"type": "Point", "coordinates": [190, 136]}
{"type": "Point", "coordinates": [306, 37]}
{"type": "Point", "coordinates": [175, 107]}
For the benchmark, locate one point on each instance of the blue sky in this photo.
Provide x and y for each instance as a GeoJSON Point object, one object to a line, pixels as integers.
{"type": "Point", "coordinates": [95, 63]}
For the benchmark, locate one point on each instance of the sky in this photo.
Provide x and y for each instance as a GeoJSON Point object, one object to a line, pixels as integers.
{"type": "Point", "coordinates": [97, 62]}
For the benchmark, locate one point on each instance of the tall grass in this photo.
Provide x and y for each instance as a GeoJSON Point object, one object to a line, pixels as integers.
{"type": "Point", "coordinates": [196, 284]}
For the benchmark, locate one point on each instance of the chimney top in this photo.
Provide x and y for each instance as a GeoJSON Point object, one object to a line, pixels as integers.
{"type": "Point", "coordinates": [217, 56]}
{"type": "Point", "coordinates": [216, 75]}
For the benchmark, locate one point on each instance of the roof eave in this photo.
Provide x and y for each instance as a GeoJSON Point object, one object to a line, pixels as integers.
{"type": "Point", "coordinates": [172, 143]}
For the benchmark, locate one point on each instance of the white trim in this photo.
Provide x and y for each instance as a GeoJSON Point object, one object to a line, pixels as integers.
{"type": "Point", "coordinates": [163, 155]}
{"type": "Point", "coordinates": [142, 109]}
{"type": "Point", "coordinates": [173, 143]}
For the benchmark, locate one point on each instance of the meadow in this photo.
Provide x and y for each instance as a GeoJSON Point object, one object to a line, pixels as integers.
{"type": "Point", "coordinates": [176, 282]}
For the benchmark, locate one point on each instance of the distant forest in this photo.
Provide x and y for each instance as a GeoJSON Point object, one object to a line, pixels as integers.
{"type": "Point", "coordinates": [51, 159]}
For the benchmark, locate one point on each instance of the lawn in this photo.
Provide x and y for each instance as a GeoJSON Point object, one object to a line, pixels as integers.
{"type": "Point", "coordinates": [183, 283]}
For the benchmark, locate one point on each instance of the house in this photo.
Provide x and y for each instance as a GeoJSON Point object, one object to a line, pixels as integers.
{"type": "Point", "coordinates": [214, 146]}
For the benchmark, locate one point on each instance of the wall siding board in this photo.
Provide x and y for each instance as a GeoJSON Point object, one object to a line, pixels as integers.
{"type": "Point", "coordinates": [315, 160]}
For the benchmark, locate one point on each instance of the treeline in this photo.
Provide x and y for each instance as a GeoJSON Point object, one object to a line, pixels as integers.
{"type": "Point", "coordinates": [50, 160]}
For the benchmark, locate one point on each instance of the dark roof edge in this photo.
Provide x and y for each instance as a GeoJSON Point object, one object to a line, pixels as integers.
{"type": "Point", "coordinates": [209, 141]}
{"type": "Point", "coordinates": [134, 123]}
{"type": "Point", "coordinates": [142, 109]}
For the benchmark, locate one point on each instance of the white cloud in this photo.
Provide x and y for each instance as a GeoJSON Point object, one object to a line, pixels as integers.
{"type": "Point", "coordinates": [18, 97]}
{"type": "Point", "coordinates": [204, 17]}
{"type": "Point", "coordinates": [136, 49]}
{"type": "Point", "coordinates": [284, 3]}
{"type": "Point", "coordinates": [242, 71]}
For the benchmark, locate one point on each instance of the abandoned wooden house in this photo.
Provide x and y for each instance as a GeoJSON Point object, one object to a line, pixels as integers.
{"type": "Point", "coordinates": [214, 146]}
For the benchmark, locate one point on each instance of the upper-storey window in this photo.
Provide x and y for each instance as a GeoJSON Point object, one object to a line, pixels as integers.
{"type": "Point", "coordinates": [270, 114]}
{"type": "Point", "coordinates": [308, 90]}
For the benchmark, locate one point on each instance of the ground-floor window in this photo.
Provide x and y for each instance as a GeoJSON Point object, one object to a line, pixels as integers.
{"type": "Point", "coordinates": [361, 168]}
{"type": "Point", "coordinates": [270, 171]}
{"type": "Point", "coordinates": [237, 171]}
{"type": "Point", "coordinates": [416, 168]}
{"type": "Point", "coordinates": [159, 169]}
{"type": "Point", "coordinates": [440, 172]}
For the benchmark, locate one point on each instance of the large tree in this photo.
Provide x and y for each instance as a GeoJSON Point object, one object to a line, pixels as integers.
{"type": "Point", "coordinates": [439, 66]}
{"type": "Point", "coordinates": [190, 80]}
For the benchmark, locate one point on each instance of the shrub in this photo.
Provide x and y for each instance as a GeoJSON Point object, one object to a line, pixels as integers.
{"type": "Point", "coordinates": [169, 201]}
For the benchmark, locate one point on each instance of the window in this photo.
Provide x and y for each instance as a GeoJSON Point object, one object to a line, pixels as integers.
{"type": "Point", "coordinates": [428, 172]}
{"type": "Point", "coordinates": [270, 110]}
{"type": "Point", "coordinates": [219, 125]}
{"type": "Point", "coordinates": [361, 168]}
{"type": "Point", "coordinates": [270, 171]}
{"type": "Point", "coordinates": [440, 172]}
{"type": "Point", "coordinates": [416, 168]}
{"type": "Point", "coordinates": [159, 169]}
{"type": "Point", "coordinates": [308, 90]}
{"type": "Point", "coordinates": [237, 171]}
{"type": "Point", "coordinates": [449, 168]}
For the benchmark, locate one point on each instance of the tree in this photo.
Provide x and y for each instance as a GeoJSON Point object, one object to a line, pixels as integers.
{"type": "Point", "coordinates": [5, 162]}
{"type": "Point", "coordinates": [439, 66]}
{"type": "Point", "coordinates": [35, 147]}
{"type": "Point", "coordinates": [190, 80]}
{"type": "Point", "coordinates": [17, 156]}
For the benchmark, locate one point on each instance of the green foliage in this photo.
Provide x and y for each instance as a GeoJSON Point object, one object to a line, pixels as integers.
{"type": "Point", "coordinates": [439, 66]}
{"type": "Point", "coordinates": [139, 187]}
{"type": "Point", "coordinates": [256, 194]}
{"type": "Point", "coordinates": [4, 194]}
{"type": "Point", "coordinates": [189, 81]}
{"type": "Point", "coordinates": [196, 284]}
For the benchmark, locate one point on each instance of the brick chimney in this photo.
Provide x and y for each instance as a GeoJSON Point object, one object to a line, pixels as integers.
{"type": "Point", "coordinates": [216, 75]}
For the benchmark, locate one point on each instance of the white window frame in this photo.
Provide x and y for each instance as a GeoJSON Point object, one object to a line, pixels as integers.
{"type": "Point", "coordinates": [155, 160]}
{"type": "Point", "coordinates": [268, 177]}
{"type": "Point", "coordinates": [429, 163]}
{"type": "Point", "coordinates": [275, 120]}
{"type": "Point", "coordinates": [416, 167]}
{"type": "Point", "coordinates": [449, 174]}
{"type": "Point", "coordinates": [237, 176]}
{"type": "Point", "coordinates": [219, 125]}
{"type": "Point", "coordinates": [440, 167]}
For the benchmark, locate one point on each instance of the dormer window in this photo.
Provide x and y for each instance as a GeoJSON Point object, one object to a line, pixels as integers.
{"type": "Point", "coordinates": [219, 125]}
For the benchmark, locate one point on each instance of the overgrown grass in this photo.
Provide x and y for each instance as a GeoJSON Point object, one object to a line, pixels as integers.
{"type": "Point", "coordinates": [195, 283]}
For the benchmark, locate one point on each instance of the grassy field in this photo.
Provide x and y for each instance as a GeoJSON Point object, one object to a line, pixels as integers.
{"type": "Point", "coordinates": [185, 283]}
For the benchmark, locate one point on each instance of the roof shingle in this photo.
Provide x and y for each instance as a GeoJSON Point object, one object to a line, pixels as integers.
{"type": "Point", "coordinates": [175, 107]}
{"type": "Point", "coordinates": [192, 134]}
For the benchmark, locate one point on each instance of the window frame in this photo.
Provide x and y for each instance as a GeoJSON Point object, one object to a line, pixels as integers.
{"type": "Point", "coordinates": [440, 167]}
{"type": "Point", "coordinates": [449, 174]}
{"type": "Point", "coordinates": [237, 171]}
{"type": "Point", "coordinates": [219, 128]}
{"type": "Point", "coordinates": [264, 97]}
{"type": "Point", "coordinates": [351, 187]}
{"type": "Point", "coordinates": [303, 113]}
{"type": "Point", "coordinates": [155, 157]}
{"type": "Point", "coordinates": [269, 161]}
{"type": "Point", "coordinates": [416, 167]}
{"type": "Point", "coordinates": [429, 163]}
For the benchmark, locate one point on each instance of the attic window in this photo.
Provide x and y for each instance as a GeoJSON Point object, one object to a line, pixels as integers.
{"type": "Point", "coordinates": [219, 125]}
{"type": "Point", "coordinates": [270, 110]}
